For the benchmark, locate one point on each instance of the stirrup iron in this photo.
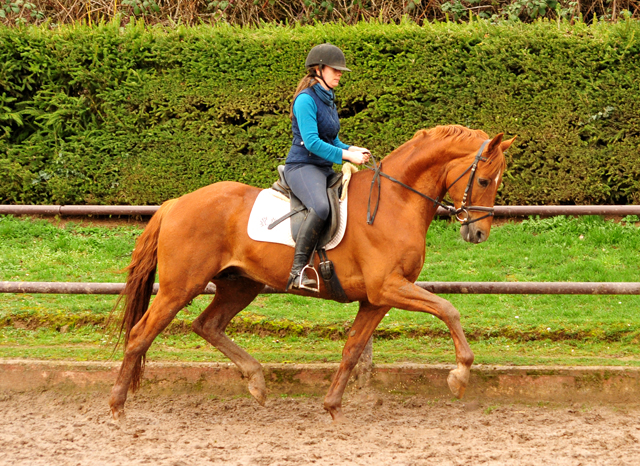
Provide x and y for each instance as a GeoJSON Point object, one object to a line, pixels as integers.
{"type": "Point", "coordinates": [301, 276]}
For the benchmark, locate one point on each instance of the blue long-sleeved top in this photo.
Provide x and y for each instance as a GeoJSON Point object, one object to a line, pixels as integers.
{"type": "Point", "coordinates": [306, 112]}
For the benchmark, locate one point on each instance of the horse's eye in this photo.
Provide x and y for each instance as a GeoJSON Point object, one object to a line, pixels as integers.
{"type": "Point", "coordinates": [483, 182]}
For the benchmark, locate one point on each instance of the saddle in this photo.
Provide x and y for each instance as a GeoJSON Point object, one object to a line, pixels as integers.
{"type": "Point", "coordinates": [299, 212]}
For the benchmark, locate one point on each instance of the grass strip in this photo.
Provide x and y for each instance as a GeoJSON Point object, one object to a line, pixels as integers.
{"type": "Point", "coordinates": [90, 344]}
{"type": "Point", "coordinates": [536, 329]}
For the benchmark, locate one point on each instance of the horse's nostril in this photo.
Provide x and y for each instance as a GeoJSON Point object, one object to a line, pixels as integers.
{"type": "Point", "coordinates": [480, 235]}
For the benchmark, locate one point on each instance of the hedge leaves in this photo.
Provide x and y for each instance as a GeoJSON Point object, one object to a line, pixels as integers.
{"type": "Point", "coordinates": [138, 115]}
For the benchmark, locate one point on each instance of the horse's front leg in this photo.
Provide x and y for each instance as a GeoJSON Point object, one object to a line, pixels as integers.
{"type": "Point", "coordinates": [399, 292]}
{"type": "Point", "coordinates": [365, 323]}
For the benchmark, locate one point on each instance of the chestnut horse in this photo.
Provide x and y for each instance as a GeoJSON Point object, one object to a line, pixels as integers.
{"type": "Point", "coordinates": [202, 237]}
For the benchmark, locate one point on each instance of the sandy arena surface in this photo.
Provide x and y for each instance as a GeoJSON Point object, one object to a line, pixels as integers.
{"type": "Point", "coordinates": [54, 429]}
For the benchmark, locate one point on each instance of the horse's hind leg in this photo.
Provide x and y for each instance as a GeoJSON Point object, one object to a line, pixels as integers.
{"type": "Point", "coordinates": [231, 297]}
{"type": "Point", "coordinates": [366, 321]}
{"type": "Point", "coordinates": [161, 312]}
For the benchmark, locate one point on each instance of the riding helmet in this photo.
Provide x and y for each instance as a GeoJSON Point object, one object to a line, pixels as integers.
{"type": "Point", "coordinates": [328, 55]}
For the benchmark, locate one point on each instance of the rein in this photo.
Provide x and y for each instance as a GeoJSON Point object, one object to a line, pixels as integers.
{"type": "Point", "coordinates": [464, 209]}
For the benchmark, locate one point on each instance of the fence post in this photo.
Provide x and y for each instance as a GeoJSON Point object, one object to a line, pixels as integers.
{"type": "Point", "coordinates": [365, 365]}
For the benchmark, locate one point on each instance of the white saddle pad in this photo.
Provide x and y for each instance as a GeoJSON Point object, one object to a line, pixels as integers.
{"type": "Point", "coordinates": [270, 205]}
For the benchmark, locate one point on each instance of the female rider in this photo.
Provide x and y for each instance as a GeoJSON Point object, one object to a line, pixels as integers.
{"type": "Point", "coordinates": [315, 148]}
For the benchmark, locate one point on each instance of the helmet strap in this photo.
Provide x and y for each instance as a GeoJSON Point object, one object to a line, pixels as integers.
{"type": "Point", "coordinates": [319, 76]}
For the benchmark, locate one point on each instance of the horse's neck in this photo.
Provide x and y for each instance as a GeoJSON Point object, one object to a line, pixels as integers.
{"type": "Point", "coordinates": [422, 166]}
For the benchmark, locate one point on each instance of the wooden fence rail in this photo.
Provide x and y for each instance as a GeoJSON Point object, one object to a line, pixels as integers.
{"type": "Point", "coordinates": [593, 288]}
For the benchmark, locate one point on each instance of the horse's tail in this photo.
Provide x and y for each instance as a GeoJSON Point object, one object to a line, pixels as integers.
{"type": "Point", "coordinates": [141, 274]}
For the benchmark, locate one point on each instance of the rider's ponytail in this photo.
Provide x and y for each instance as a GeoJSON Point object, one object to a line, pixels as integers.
{"type": "Point", "coordinates": [308, 81]}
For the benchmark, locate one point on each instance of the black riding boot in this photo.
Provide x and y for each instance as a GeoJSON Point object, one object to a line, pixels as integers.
{"type": "Point", "coordinates": [308, 237]}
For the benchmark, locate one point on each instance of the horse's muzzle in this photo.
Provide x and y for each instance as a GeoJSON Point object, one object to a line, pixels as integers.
{"type": "Point", "coordinates": [473, 233]}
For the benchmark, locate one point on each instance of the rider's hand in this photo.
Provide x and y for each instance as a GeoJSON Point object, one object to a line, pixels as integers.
{"type": "Point", "coordinates": [357, 155]}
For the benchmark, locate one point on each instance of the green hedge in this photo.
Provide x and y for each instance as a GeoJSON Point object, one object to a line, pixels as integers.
{"type": "Point", "coordinates": [138, 115]}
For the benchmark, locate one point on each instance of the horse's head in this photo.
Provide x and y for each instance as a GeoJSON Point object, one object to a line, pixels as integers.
{"type": "Point", "coordinates": [472, 183]}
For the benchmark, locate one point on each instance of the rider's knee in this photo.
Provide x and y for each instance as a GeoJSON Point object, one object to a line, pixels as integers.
{"type": "Point", "coordinates": [322, 210]}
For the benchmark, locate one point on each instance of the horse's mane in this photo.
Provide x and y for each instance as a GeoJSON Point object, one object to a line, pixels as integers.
{"type": "Point", "coordinates": [455, 132]}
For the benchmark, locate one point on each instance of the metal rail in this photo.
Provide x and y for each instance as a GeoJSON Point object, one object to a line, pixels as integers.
{"type": "Point", "coordinates": [500, 211]}
{"type": "Point", "coordinates": [600, 288]}
{"type": "Point", "coordinates": [78, 210]}
{"type": "Point", "coordinates": [592, 288]}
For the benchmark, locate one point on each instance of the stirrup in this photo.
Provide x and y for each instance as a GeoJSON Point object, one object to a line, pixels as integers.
{"type": "Point", "coordinates": [309, 288]}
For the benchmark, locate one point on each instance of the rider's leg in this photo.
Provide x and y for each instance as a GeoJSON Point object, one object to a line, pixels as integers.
{"type": "Point", "coordinates": [309, 183]}
{"type": "Point", "coordinates": [306, 241]}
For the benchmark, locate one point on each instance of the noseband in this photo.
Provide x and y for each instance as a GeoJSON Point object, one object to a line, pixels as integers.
{"type": "Point", "coordinates": [462, 214]}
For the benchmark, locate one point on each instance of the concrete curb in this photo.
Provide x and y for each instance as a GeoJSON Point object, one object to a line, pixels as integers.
{"type": "Point", "coordinates": [609, 385]}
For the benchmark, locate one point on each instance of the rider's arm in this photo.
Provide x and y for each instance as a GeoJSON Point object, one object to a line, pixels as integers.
{"type": "Point", "coordinates": [338, 143]}
{"type": "Point", "coordinates": [306, 112]}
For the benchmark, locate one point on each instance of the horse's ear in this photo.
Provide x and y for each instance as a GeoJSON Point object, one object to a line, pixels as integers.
{"type": "Point", "coordinates": [495, 143]}
{"type": "Point", "coordinates": [506, 144]}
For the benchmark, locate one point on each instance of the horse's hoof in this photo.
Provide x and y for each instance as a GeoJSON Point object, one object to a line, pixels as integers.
{"type": "Point", "coordinates": [339, 418]}
{"type": "Point", "coordinates": [258, 389]}
{"type": "Point", "coordinates": [458, 381]}
{"type": "Point", "coordinates": [117, 415]}
{"type": "Point", "coordinates": [336, 413]}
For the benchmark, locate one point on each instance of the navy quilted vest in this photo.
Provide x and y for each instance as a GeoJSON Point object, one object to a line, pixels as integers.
{"type": "Point", "coordinates": [328, 129]}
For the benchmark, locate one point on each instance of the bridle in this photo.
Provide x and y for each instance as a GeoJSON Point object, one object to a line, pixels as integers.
{"type": "Point", "coordinates": [462, 214]}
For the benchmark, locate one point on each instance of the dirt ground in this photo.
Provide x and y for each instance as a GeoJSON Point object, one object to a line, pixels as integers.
{"type": "Point", "coordinates": [54, 429]}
